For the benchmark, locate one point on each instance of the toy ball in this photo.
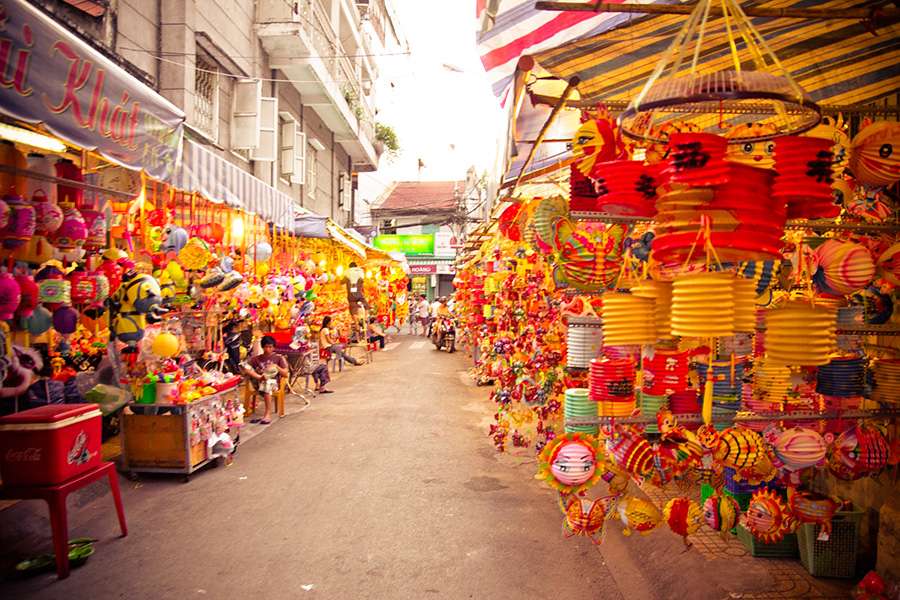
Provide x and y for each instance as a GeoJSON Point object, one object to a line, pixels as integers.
{"type": "Point", "coordinates": [638, 515]}
{"type": "Point", "coordinates": [768, 519]}
{"type": "Point", "coordinates": [65, 320]}
{"type": "Point", "coordinates": [73, 231]}
{"type": "Point", "coordinates": [573, 464]}
{"type": "Point", "coordinates": [20, 225]}
{"type": "Point", "coordinates": [48, 214]}
{"type": "Point", "coordinates": [875, 154]}
{"type": "Point", "coordinates": [262, 251]}
{"type": "Point", "coordinates": [174, 238]}
{"type": "Point", "coordinates": [721, 512]}
{"type": "Point", "coordinates": [800, 448]}
{"type": "Point", "coordinates": [29, 292]}
{"type": "Point", "coordinates": [39, 322]}
{"type": "Point", "coordinates": [165, 345]}
{"type": "Point", "coordinates": [10, 296]}
{"type": "Point", "coordinates": [683, 516]}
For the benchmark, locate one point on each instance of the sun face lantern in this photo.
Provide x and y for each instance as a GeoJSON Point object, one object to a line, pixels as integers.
{"type": "Point", "coordinates": [875, 154]}
{"type": "Point", "coordinates": [721, 512]}
{"type": "Point", "coordinates": [568, 463]}
{"type": "Point", "coordinates": [768, 519]}
{"type": "Point", "coordinates": [595, 140]}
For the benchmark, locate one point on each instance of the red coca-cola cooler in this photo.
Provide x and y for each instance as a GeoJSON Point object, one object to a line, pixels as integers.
{"type": "Point", "coordinates": [49, 444]}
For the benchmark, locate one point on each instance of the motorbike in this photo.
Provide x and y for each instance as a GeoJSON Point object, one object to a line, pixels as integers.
{"type": "Point", "coordinates": [443, 334]}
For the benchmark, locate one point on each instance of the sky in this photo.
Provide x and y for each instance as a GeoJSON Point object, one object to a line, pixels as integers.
{"type": "Point", "coordinates": [440, 104]}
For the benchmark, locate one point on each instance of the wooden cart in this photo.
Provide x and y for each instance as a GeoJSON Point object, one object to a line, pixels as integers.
{"type": "Point", "coordinates": [172, 438]}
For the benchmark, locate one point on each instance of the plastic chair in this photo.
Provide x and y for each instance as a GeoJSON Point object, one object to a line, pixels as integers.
{"type": "Point", "coordinates": [250, 395]}
{"type": "Point", "coordinates": [55, 497]}
{"type": "Point", "coordinates": [335, 363]}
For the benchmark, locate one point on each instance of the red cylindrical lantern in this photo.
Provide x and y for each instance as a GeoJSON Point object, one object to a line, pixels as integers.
{"type": "Point", "coordinates": [803, 165]}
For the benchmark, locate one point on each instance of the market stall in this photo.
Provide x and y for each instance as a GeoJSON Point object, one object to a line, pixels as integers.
{"type": "Point", "coordinates": [708, 308]}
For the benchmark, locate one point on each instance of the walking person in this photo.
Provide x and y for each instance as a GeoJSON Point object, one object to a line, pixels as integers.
{"type": "Point", "coordinates": [423, 314]}
{"type": "Point", "coordinates": [328, 340]}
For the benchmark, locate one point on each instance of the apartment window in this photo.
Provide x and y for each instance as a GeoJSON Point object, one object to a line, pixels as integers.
{"type": "Point", "coordinates": [206, 97]}
{"type": "Point", "coordinates": [312, 168]}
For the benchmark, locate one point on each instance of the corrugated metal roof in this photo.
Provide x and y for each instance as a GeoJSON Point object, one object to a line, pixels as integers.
{"type": "Point", "coordinates": [421, 196]}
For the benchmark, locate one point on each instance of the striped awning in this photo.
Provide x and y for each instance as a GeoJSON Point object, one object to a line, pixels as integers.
{"type": "Point", "coordinates": [838, 62]}
{"type": "Point", "coordinates": [214, 177]}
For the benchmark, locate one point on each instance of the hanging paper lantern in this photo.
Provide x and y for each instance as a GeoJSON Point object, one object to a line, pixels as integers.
{"type": "Point", "coordinates": [666, 372]}
{"type": "Point", "coordinates": [578, 406]}
{"type": "Point", "coordinates": [65, 320]}
{"type": "Point", "coordinates": [846, 267]}
{"type": "Point", "coordinates": [798, 333]}
{"type": "Point", "coordinates": [683, 516]}
{"type": "Point", "coordinates": [40, 164]}
{"type": "Point", "coordinates": [697, 159]}
{"type": "Point", "coordinates": [800, 448]}
{"type": "Point", "coordinates": [583, 343]}
{"type": "Point", "coordinates": [48, 214]}
{"type": "Point", "coordinates": [53, 289]}
{"type": "Point", "coordinates": [638, 515]}
{"type": "Point", "coordinates": [859, 451]}
{"type": "Point", "coordinates": [507, 222]}
{"type": "Point", "coordinates": [736, 447]}
{"type": "Point", "coordinates": [66, 169]}
{"type": "Point", "coordinates": [195, 255]}
{"type": "Point", "coordinates": [804, 177]}
{"type": "Point", "coordinates": [594, 140]}
{"type": "Point", "coordinates": [632, 452]}
{"type": "Point", "coordinates": [703, 305]}
{"type": "Point", "coordinates": [546, 212]}
{"type": "Point", "coordinates": [625, 187]}
{"type": "Point", "coordinates": [165, 345]}
{"type": "Point", "coordinates": [11, 157]}
{"type": "Point", "coordinates": [757, 154]}
{"type": "Point", "coordinates": [113, 271]}
{"type": "Point", "coordinates": [83, 287]}
{"type": "Point", "coordinates": [889, 264]}
{"type": "Point", "coordinates": [101, 288]}
{"type": "Point", "coordinates": [744, 305]}
{"type": "Point", "coordinates": [612, 386]}
{"type": "Point", "coordinates": [586, 517]}
{"type": "Point", "coordinates": [768, 519]}
{"type": "Point", "coordinates": [661, 294]}
{"type": "Point", "coordinates": [29, 293]}
{"type": "Point", "coordinates": [73, 231]}
{"type": "Point", "coordinates": [875, 154]}
{"type": "Point", "coordinates": [886, 375]}
{"type": "Point", "coordinates": [39, 322]}
{"type": "Point", "coordinates": [95, 222]}
{"type": "Point", "coordinates": [10, 296]}
{"type": "Point", "coordinates": [811, 507]}
{"type": "Point", "coordinates": [20, 223]}
{"type": "Point", "coordinates": [568, 463]}
{"type": "Point", "coordinates": [628, 320]}
{"type": "Point", "coordinates": [721, 512]}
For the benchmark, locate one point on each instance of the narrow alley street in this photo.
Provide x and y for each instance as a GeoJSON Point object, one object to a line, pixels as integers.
{"type": "Point", "coordinates": [388, 488]}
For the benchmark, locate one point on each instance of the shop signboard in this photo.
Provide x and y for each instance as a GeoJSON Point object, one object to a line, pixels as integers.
{"type": "Point", "coordinates": [422, 269]}
{"type": "Point", "coordinates": [407, 243]}
{"type": "Point", "coordinates": [445, 268]}
{"type": "Point", "coordinates": [444, 244]}
{"type": "Point", "coordinates": [48, 75]}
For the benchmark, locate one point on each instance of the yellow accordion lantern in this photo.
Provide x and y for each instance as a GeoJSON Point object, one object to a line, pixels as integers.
{"type": "Point", "coordinates": [800, 333]}
{"type": "Point", "coordinates": [661, 294]}
{"type": "Point", "coordinates": [744, 305]}
{"type": "Point", "coordinates": [628, 320]}
{"type": "Point", "coordinates": [703, 305]}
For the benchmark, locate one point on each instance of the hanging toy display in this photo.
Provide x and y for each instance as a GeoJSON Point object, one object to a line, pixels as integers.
{"type": "Point", "coordinates": [683, 516]}
{"type": "Point", "coordinates": [721, 513]}
{"type": "Point", "coordinates": [768, 518]}
{"type": "Point", "coordinates": [569, 463]}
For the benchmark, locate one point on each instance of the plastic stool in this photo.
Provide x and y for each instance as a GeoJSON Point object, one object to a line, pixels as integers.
{"type": "Point", "coordinates": [55, 496]}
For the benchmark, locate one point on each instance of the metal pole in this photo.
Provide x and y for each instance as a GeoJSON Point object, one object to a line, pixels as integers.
{"type": "Point", "coordinates": [686, 9]}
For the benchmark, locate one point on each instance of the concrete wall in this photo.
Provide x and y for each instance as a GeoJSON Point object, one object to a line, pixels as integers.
{"type": "Point", "coordinates": [137, 35]}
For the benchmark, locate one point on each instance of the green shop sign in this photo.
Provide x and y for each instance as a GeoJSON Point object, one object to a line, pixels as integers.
{"type": "Point", "coordinates": [414, 243]}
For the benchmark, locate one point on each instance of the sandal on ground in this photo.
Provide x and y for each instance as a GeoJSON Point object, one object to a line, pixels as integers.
{"type": "Point", "coordinates": [265, 421]}
{"type": "Point", "coordinates": [255, 420]}
{"type": "Point", "coordinates": [324, 391]}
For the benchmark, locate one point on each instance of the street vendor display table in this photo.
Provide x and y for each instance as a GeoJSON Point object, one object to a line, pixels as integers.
{"type": "Point", "coordinates": [172, 438]}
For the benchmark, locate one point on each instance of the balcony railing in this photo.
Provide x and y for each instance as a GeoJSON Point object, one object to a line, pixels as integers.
{"type": "Point", "coordinates": [342, 70]}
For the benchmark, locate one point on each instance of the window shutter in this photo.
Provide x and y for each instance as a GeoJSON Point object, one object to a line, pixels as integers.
{"type": "Point", "coordinates": [268, 131]}
{"type": "Point", "coordinates": [299, 175]}
{"type": "Point", "coordinates": [288, 140]}
{"type": "Point", "coordinates": [246, 115]}
{"type": "Point", "coordinates": [346, 191]}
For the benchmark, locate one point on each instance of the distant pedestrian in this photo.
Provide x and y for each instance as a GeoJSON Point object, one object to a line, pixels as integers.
{"type": "Point", "coordinates": [423, 314]}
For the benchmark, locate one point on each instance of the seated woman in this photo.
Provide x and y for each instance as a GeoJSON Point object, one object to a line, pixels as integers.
{"type": "Point", "coordinates": [328, 340]}
{"type": "Point", "coordinates": [375, 332]}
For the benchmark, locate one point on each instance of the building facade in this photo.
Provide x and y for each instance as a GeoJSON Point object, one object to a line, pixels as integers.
{"type": "Point", "coordinates": [281, 89]}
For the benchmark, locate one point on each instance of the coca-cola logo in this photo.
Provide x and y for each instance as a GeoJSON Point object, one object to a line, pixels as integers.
{"type": "Point", "coordinates": [23, 455]}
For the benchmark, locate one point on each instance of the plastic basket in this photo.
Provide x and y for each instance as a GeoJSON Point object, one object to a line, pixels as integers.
{"type": "Point", "coordinates": [786, 548]}
{"type": "Point", "coordinates": [835, 557]}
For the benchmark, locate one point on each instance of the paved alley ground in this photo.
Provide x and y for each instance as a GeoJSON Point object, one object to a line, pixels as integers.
{"type": "Point", "coordinates": [388, 488]}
